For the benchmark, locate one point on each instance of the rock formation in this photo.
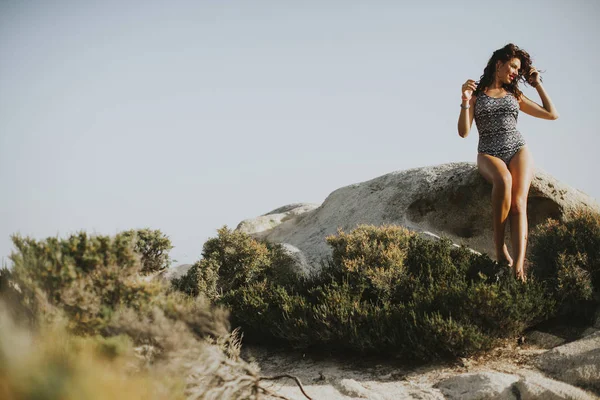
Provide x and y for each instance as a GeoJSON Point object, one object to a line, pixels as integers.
{"type": "Point", "coordinates": [450, 200]}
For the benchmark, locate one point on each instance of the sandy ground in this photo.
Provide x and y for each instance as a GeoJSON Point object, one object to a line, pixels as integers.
{"type": "Point", "coordinates": [346, 377]}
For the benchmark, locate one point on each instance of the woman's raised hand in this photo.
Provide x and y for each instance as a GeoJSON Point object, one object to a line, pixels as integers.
{"type": "Point", "coordinates": [468, 88]}
{"type": "Point", "coordinates": [534, 77]}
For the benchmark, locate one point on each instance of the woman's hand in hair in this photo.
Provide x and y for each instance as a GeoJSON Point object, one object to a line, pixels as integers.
{"type": "Point", "coordinates": [468, 88]}
{"type": "Point", "coordinates": [534, 78]}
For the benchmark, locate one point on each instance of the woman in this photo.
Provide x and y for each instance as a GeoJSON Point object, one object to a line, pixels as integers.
{"type": "Point", "coordinates": [504, 160]}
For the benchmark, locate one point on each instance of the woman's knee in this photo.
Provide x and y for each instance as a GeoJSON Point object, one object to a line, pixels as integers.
{"type": "Point", "coordinates": [518, 205]}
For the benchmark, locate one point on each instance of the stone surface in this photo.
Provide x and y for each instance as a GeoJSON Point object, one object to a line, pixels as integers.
{"type": "Point", "coordinates": [266, 222]}
{"type": "Point", "coordinates": [589, 331]}
{"type": "Point", "coordinates": [577, 363]}
{"type": "Point", "coordinates": [479, 386]}
{"type": "Point", "coordinates": [534, 386]}
{"type": "Point", "coordinates": [351, 388]}
{"type": "Point", "coordinates": [174, 272]}
{"type": "Point", "coordinates": [301, 264]}
{"type": "Point", "coordinates": [596, 323]}
{"type": "Point", "coordinates": [332, 378]}
{"type": "Point", "coordinates": [450, 200]}
{"type": "Point", "coordinates": [543, 339]}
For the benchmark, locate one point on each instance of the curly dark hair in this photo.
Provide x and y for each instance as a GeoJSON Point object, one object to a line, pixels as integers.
{"type": "Point", "coordinates": [503, 55]}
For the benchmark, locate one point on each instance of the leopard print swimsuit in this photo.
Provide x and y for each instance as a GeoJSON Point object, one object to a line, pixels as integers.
{"type": "Point", "coordinates": [496, 120]}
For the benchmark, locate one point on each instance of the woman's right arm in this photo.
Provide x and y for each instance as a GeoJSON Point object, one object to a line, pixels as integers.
{"type": "Point", "coordinates": [465, 119]}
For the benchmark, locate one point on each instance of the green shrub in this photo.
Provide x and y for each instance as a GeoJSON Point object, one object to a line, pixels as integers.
{"type": "Point", "coordinates": [87, 277]}
{"type": "Point", "coordinates": [384, 290]}
{"type": "Point", "coordinates": [93, 290]}
{"type": "Point", "coordinates": [371, 258]}
{"type": "Point", "coordinates": [233, 260]}
{"type": "Point", "coordinates": [189, 283]}
{"type": "Point", "coordinates": [91, 279]}
{"type": "Point", "coordinates": [566, 256]}
{"type": "Point", "coordinates": [573, 280]}
{"type": "Point", "coordinates": [505, 307]}
{"type": "Point", "coordinates": [153, 247]}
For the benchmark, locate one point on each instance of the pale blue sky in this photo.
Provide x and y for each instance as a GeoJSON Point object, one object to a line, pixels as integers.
{"type": "Point", "coordinates": [184, 116]}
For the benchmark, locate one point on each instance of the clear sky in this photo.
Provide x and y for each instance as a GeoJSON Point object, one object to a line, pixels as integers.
{"type": "Point", "coordinates": [185, 116]}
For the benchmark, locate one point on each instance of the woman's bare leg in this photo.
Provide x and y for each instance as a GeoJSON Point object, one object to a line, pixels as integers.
{"type": "Point", "coordinates": [521, 169]}
{"type": "Point", "coordinates": [494, 170]}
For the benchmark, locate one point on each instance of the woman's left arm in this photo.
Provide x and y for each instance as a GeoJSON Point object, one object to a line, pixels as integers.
{"type": "Point", "coordinates": [547, 111]}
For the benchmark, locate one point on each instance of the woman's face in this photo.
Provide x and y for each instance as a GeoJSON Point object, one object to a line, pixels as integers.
{"type": "Point", "coordinates": [509, 71]}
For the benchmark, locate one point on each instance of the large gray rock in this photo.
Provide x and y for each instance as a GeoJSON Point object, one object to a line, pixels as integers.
{"type": "Point", "coordinates": [577, 363]}
{"type": "Point", "coordinates": [479, 386]}
{"type": "Point", "coordinates": [450, 200]}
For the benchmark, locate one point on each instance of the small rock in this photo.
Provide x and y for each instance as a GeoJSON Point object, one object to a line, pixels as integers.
{"type": "Point", "coordinates": [301, 266]}
{"type": "Point", "coordinates": [544, 340]}
{"type": "Point", "coordinates": [320, 378]}
{"type": "Point", "coordinates": [351, 388]}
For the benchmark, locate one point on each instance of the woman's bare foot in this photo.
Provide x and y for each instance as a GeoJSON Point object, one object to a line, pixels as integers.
{"type": "Point", "coordinates": [504, 255]}
{"type": "Point", "coordinates": [520, 272]}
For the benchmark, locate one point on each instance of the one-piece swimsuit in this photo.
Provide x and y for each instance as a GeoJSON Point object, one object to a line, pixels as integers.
{"type": "Point", "coordinates": [496, 120]}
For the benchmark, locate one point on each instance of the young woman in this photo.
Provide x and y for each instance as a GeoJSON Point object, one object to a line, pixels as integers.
{"type": "Point", "coordinates": [504, 160]}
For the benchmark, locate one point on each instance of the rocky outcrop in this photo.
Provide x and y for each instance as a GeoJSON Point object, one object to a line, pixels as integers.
{"type": "Point", "coordinates": [328, 378]}
{"type": "Point", "coordinates": [450, 200]}
{"type": "Point", "coordinates": [577, 363]}
{"type": "Point", "coordinates": [533, 386]}
{"type": "Point", "coordinates": [290, 213]}
{"type": "Point", "coordinates": [527, 385]}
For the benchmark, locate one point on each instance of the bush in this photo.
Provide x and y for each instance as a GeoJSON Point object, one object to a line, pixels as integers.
{"type": "Point", "coordinates": [87, 277]}
{"type": "Point", "coordinates": [90, 278]}
{"type": "Point", "coordinates": [189, 283]}
{"type": "Point", "coordinates": [233, 260]}
{"type": "Point", "coordinates": [371, 258]}
{"type": "Point", "coordinates": [92, 288]}
{"type": "Point", "coordinates": [153, 247]}
{"type": "Point", "coordinates": [52, 364]}
{"type": "Point", "coordinates": [566, 256]}
{"type": "Point", "coordinates": [385, 289]}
